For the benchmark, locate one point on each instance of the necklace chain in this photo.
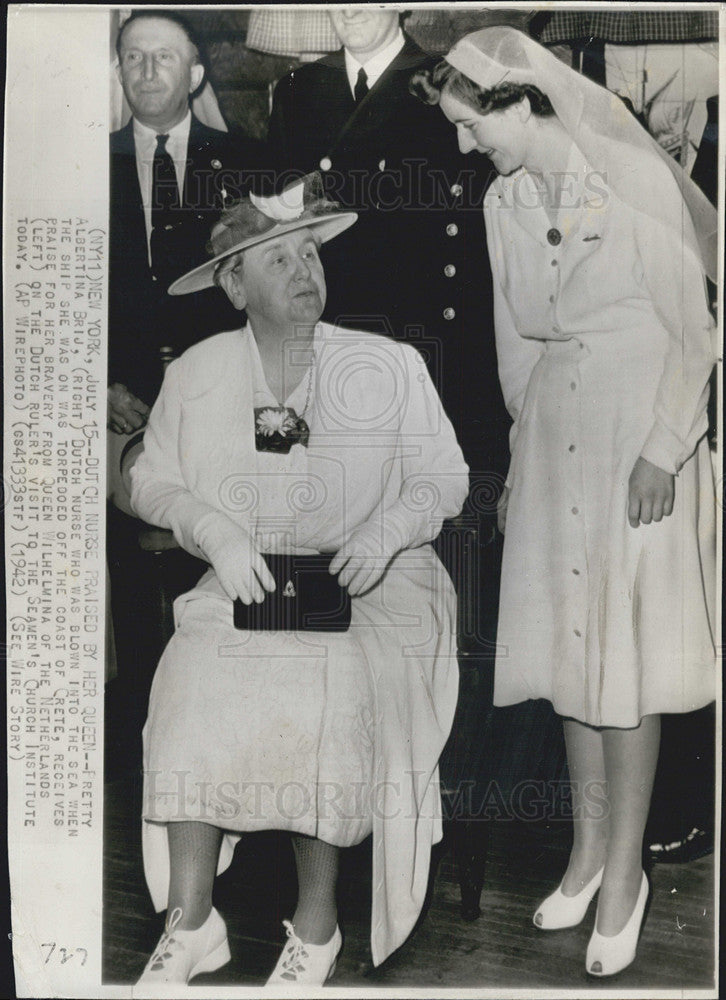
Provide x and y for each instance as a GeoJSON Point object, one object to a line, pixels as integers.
{"type": "Point", "coordinates": [311, 371]}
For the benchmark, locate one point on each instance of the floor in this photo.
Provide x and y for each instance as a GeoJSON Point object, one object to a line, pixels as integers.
{"type": "Point", "coordinates": [502, 949]}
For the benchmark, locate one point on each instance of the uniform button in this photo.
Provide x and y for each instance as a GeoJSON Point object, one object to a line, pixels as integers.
{"type": "Point", "coordinates": [449, 270]}
{"type": "Point", "coordinates": [326, 163]}
{"type": "Point", "coordinates": [552, 298]}
{"type": "Point", "coordinates": [576, 572]}
{"type": "Point", "coordinates": [555, 329]}
{"type": "Point", "coordinates": [382, 165]}
{"type": "Point", "coordinates": [577, 632]}
{"type": "Point", "coordinates": [575, 510]}
{"type": "Point", "coordinates": [452, 229]}
{"type": "Point", "coordinates": [582, 346]}
{"type": "Point", "coordinates": [554, 237]}
{"type": "Point", "coordinates": [449, 313]}
{"type": "Point", "coordinates": [153, 277]}
{"type": "Point", "coordinates": [457, 190]}
{"type": "Point", "coordinates": [571, 448]}
{"type": "Point", "coordinates": [217, 164]}
{"type": "Point", "coordinates": [554, 263]}
{"type": "Point", "coordinates": [573, 385]}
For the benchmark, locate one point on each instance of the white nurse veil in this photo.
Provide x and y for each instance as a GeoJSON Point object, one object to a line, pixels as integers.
{"type": "Point", "coordinates": [603, 129]}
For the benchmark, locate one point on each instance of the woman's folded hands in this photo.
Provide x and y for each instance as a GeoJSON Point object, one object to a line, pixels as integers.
{"type": "Point", "coordinates": [242, 571]}
{"type": "Point", "coordinates": [362, 560]}
{"type": "Point", "coordinates": [238, 563]}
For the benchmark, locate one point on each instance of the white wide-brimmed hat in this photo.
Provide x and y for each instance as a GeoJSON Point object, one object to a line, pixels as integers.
{"type": "Point", "coordinates": [257, 219]}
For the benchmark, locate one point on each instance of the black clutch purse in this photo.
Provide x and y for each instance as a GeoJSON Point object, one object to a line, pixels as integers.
{"type": "Point", "coordinates": [307, 599]}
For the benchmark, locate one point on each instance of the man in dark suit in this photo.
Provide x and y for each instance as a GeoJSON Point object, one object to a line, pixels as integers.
{"type": "Point", "coordinates": [415, 265]}
{"type": "Point", "coordinates": [170, 177]}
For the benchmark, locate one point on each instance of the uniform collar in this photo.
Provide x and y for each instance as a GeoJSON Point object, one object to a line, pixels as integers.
{"type": "Point", "coordinates": [410, 57]}
{"type": "Point", "coordinates": [376, 66]}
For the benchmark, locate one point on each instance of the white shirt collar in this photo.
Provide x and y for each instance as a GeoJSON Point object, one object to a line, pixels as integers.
{"type": "Point", "coordinates": [145, 138]}
{"type": "Point", "coordinates": [376, 66]}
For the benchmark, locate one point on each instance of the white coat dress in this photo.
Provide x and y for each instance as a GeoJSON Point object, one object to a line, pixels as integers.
{"type": "Point", "coordinates": [605, 346]}
{"type": "Point", "coordinates": [333, 735]}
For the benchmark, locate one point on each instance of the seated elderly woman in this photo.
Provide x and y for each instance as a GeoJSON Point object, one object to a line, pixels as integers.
{"type": "Point", "coordinates": [323, 456]}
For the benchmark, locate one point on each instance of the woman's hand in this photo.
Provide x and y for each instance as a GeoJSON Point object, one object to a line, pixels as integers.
{"type": "Point", "coordinates": [502, 504]}
{"type": "Point", "coordinates": [362, 560]}
{"type": "Point", "coordinates": [126, 412]}
{"type": "Point", "coordinates": [238, 563]}
{"type": "Point", "coordinates": [650, 493]}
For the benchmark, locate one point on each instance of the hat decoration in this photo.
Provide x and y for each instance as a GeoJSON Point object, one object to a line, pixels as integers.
{"type": "Point", "coordinates": [256, 219]}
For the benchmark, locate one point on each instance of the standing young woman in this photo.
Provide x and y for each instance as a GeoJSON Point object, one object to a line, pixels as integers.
{"type": "Point", "coordinates": [599, 244]}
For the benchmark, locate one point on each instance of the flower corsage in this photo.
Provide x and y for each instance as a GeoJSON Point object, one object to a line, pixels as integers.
{"type": "Point", "coordinates": [278, 428]}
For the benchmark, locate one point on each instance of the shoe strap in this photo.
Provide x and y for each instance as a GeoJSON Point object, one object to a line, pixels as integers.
{"type": "Point", "coordinates": [168, 944]}
{"type": "Point", "coordinates": [294, 952]}
{"type": "Point", "coordinates": [173, 919]}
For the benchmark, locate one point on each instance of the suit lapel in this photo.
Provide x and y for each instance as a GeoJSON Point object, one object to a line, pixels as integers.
{"type": "Point", "coordinates": [126, 202]}
{"type": "Point", "coordinates": [122, 142]}
{"type": "Point", "coordinates": [201, 140]}
{"type": "Point", "coordinates": [200, 157]}
{"type": "Point", "coordinates": [337, 101]}
{"type": "Point", "coordinates": [123, 154]}
{"type": "Point", "coordinates": [382, 101]}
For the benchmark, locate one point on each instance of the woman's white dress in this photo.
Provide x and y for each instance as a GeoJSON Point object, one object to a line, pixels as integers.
{"type": "Point", "coordinates": [333, 735]}
{"type": "Point", "coordinates": [605, 346]}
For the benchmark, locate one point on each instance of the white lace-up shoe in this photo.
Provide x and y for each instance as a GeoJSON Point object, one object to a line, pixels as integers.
{"type": "Point", "coordinates": [181, 954]}
{"type": "Point", "coordinates": [305, 964]}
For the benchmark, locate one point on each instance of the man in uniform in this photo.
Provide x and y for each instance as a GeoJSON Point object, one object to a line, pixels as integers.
{"type": "Point", "coordinates": [416, 265]}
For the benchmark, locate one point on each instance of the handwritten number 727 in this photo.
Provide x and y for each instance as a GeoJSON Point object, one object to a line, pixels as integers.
{"type": "Point", "coordinates": [65, 954]}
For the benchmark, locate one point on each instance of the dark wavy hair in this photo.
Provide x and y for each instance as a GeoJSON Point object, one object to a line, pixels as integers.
{"type": "Point", "coordinates": [429, 84]}
{"type": "Point", "coordinates": [179, 20]}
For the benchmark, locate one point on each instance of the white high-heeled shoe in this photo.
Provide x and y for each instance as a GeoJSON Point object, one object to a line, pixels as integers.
{"type": "Point", "coordinates": [304, 964]}
{"type": "Point", "coordinates": [613, 954]}
{"type": "Point", "coordinates": [181, 954]}
{"type": "Point", "coordinates": [559, 911]}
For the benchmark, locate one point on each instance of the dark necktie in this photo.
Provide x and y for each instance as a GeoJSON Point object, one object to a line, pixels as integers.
{"type": "Point", "coordinates": [361, 86]}
{"type": "Point", "coordinates": [164, 204]}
